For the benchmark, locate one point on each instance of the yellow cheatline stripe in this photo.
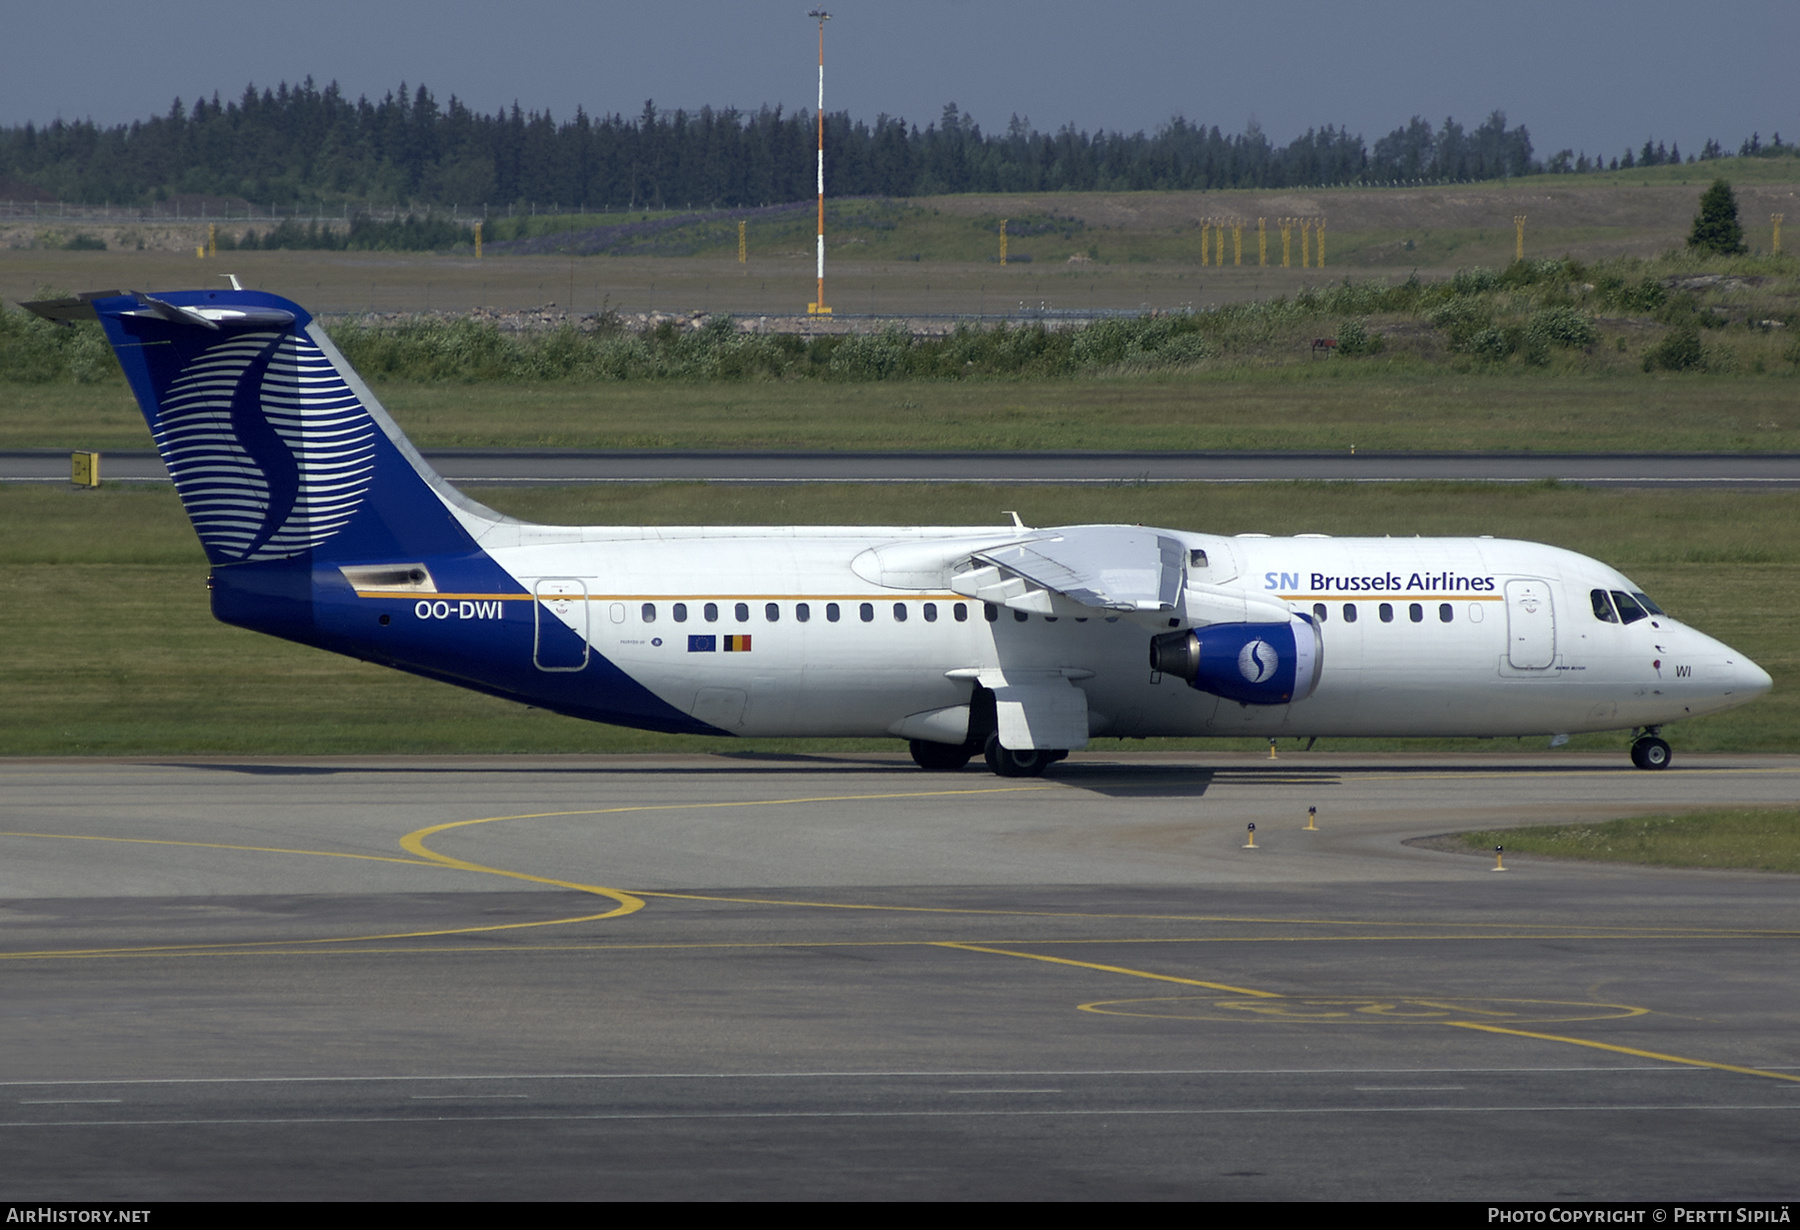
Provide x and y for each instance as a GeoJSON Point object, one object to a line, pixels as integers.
{"type": "Point", "coordinates": [1112, 969]}
{"type": "Point", "coordinates": [1375, 597]}
{"type": "Point", "coordinates": [433, 595]}
{"type": "Point", "coordinates": [1626, 1050]}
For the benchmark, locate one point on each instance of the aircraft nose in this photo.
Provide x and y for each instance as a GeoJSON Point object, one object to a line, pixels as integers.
{"type": "Point", "coordinates": [1752, 678]}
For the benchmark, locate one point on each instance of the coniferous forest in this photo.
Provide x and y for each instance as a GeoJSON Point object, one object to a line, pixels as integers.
{"type": "Point", "coordinates": [306, 148]}
{"type": "Point", "coordinates": [303, 145]}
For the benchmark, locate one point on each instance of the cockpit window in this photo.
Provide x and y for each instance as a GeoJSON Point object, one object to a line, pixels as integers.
{"type": "Point", "coordinates": [1603, 609]}
{"type": "Point", "coordinates": [1629, 611]}
{"type": "Point", "coordinates": [1644, 601]}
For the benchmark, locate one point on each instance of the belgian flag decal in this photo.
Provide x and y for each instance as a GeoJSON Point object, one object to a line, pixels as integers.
{"type": "Point", "coordinates": [710, 644]}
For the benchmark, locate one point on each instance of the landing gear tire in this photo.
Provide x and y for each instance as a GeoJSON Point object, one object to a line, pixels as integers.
{"type": "Point", "coordinates": [940, 757]}
{"type": "Point", "coordinates": [1030, 762]}
{"type": "Point", "coordinates": [1650, 753]}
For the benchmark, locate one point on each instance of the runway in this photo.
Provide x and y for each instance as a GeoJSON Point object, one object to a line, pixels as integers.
{"type": "Point", "coordinates": [1744, 471]}
{"type": "Point", "coordinates": [836, 976]}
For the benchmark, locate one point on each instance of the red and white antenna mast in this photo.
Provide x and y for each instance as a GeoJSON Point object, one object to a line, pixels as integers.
{"type": "Point", "coordinates": [818, 308]}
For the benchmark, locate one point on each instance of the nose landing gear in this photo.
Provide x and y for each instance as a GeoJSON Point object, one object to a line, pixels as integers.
{"type": "Point", "coordinates": [1650, 752]}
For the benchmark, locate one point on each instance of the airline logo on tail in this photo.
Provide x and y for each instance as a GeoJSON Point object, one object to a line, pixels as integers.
{"type": "Point", "coordinates": [269, 449]}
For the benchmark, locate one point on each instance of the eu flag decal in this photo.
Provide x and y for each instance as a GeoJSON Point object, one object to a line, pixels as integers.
{"type": "Point", "coordinates": [703, 644]}
{"type": "Point", "coordinates": [737, 644]}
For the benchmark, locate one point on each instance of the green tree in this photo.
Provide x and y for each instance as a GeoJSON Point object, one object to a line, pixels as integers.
{"type": "Point", "coordinates": [1716, 226]}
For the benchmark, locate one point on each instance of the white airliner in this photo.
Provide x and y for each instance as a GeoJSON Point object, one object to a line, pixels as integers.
{"type": "Point", "coordinates": [325, 526]}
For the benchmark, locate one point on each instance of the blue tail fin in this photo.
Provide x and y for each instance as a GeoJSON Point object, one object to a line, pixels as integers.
{"type": "Point", "coordinates": [277, 448]}
{"type": "Point", "coordinates": [323, 523]}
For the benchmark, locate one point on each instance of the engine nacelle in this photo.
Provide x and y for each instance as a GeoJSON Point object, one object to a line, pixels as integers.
{"type": "Point", "coordinates": [1257, 664]}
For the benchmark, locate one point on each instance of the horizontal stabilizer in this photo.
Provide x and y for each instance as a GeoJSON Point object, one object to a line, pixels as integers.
{"type": "Point", "coordinates": [70, 311]}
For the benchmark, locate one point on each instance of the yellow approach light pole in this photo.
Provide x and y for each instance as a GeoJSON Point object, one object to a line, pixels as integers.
{"type": "Point", "coordinates": [819, 307]}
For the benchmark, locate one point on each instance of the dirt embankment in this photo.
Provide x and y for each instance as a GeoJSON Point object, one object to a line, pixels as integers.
{"type": "Point", "coordinates": [1649, 207]}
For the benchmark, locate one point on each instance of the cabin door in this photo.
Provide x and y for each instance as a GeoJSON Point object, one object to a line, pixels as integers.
{"type": "Point", "coordinates": [1530, 625]}
{"type": "Point", "coordinates": [560, 635]}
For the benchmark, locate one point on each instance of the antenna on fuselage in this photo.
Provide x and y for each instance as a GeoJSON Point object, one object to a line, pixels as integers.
{"type": "Point", "coordinates": [1017, 524]}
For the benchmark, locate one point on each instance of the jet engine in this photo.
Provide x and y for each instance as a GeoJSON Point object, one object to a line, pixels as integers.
{"type": "Point", "coordinates": [1257, 664]}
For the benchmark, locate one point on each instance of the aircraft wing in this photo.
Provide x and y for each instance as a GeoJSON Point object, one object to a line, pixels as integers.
{"type": "Point", "coordinates": [1101, 567]}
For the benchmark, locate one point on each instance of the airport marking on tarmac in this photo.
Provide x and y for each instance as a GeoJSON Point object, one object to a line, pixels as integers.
{"type": "Point", "coordinates": [1254, 1004]}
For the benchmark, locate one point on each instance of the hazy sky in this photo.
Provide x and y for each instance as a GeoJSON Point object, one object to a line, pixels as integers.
{"type": "Point", "coordinates": [1579, 73]}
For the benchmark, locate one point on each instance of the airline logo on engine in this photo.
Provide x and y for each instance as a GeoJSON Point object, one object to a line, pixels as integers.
{"type": "Point", "coordinates": [1379, 583]}
{"type": "Point", "coordinates": [1257, 661]}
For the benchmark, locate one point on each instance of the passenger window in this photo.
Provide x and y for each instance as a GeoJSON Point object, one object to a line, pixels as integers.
{"type": "Point", "coordinates": [711, 612]}
{"type": "Point", "coordinates": [831, 612]}
{"type": "Point", "coordinates": [990, 612]}
{"type": "Point", "coordinates": [899, 612]}
{"type": "Point", "coordinates": [867, 611]}
{"type": "Point", "coordinates": [772, 611]}
{"type": "Point", "coordinates": [1196, 558]}
{"type": "Point", "coordinates": [1020, 617]}
{"type": "Point", "coordinates": [1319, 611]}
{"type": "Point", "coordinates": [742, 611]}
{"type": "Point", "coordinates": [1603, 610]}
{"type": "Point", "coordinates": [1387, 612]}
{"type": "Point", "coordinates": [802, 612]}
{"type": "Point", "coordinates": [1349, 612]}
{"type": "Point", "coordinates": [1416, 613]}
{"type": "Point", "coordinates": [1629, 611]}
{"type": "Point", "coordinates": [681, 612]}
{"type": "Point", "coordinates": [649, 612]}
{"type": "Point", "coordinates": [1445, 614]}
{"type": "Point", "coordinates": [961, 611]}
{"type": "Point", "coordinates": [931, 612]}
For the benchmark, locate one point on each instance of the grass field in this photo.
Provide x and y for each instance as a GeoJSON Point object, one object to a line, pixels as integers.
{"type": "Point", "coordinates": [939, 254]}
{"type": "Point", "coordinates": [112, 650]}
{"type": "Point", "coordinates": [1756, 840]}
{"type": "Point", "coordinates": [1373, 406]}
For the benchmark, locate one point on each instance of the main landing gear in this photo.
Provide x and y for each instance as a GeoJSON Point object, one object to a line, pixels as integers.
{"type": "Point", "coordinates": [949, 757]}
{"type": "Point", "coordinates": [940, 757]}
{"type": "Point", "coordinates": [983, 740]}
{"type": "Point", "coordinates": [1030, 762]}
{"type": "Point", "coordinates": [1650, 752]}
